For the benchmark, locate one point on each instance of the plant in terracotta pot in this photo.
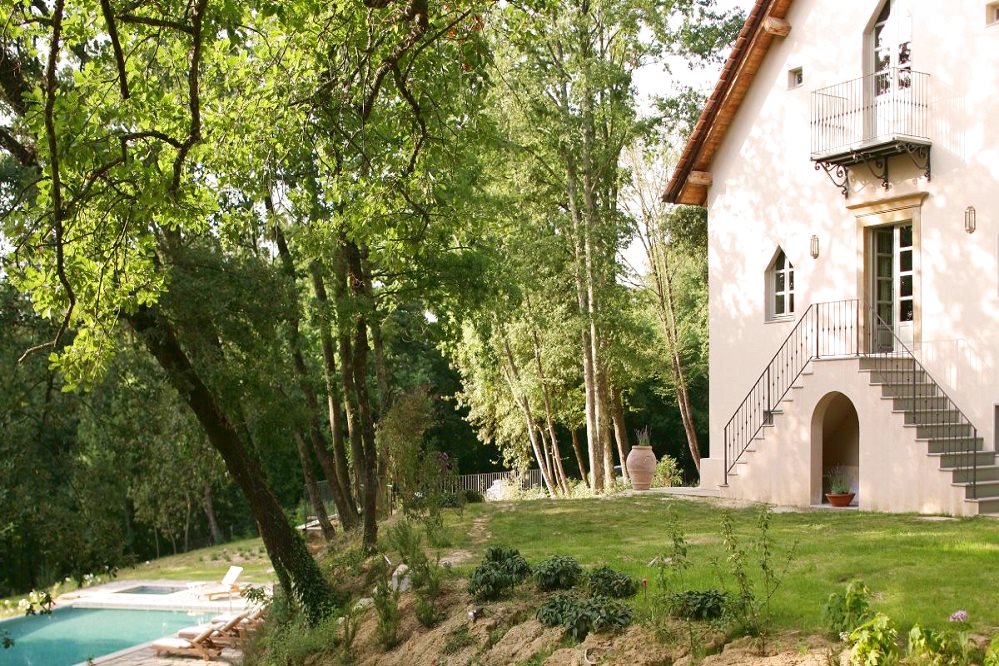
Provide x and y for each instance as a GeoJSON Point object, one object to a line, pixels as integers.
{"type": "Point", "coordinates": [839, 487]}
{"type": "Point", "coordinates": [641, 461]}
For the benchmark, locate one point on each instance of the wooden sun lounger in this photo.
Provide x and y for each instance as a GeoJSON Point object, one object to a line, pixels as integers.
{"type": "Point", "coordinates": [201, 645]}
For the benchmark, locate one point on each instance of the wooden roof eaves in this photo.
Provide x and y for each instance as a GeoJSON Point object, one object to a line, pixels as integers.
{"type": "Point", "coordinates": [737, 76]}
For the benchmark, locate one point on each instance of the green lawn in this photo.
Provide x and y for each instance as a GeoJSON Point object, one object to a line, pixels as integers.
{"type": "Point", "coordinates": [920, 570]}
{"type": "Point", "coordinates": [208, 564]}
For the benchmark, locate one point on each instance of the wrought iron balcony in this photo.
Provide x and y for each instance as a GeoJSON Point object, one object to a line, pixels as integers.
{"type": "Point", "coordinates": [868, 120]}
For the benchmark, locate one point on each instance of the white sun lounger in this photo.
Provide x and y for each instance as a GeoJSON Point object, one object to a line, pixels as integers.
{"type": "Point", "coordinates": [226, 588]}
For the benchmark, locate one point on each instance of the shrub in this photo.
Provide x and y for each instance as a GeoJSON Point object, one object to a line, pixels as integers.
{"type": "Point", "coordinates": [580, 616]}
{"type": "Point", "coordinates": [387, 606]}
{"type": "Point", "coordinates": [510, 560]}
{"type": "Point", "coordinates": [697, 605]}
{"type": "Point", "coordinates": [501, 570]}
{"type": "Point", "coordinates": [610, 583]}
{"type": "Point", "coordinates": [853, 608]}
{"type": "Point", "coordinates": [473, 496]}
{"type": "Point", "coordinates": [667, 474]}
{"type": "Point", "coordinates": [930, 647]}
{"type": "Point", "coordinates": [874, 642]}
{"type": "Point", "coordinates": [750, 603]}
{"type": "Point", "coordinates": [558, 572]}
{"type": "Point", "coordinates": [490, 581]}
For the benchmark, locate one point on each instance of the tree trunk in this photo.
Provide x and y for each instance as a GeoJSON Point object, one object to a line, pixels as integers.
{"type": "Point", "coordinates": [346, 348]}
{"type": "Point", "coordinates": [312, 488]}
{"type": "Point", "coordinates": [658, 257]}
{"type": "Point", "coordinates": [360, 288]}
{"type": "Point", "coordinates": [620, 430]}
{"type": "Point", "coordinates": [579, 457]}
{"type": "Point", "coordinates": [345, 508]}
{"type": "Point", "coordinates": [595, 475]}
{"type": "Point", "coordinates": [297, 572]}
{"type": "Point", "coordinates": [546, 398]}
{"type": "Point", "coordinates": [209, 507]}
{"type": "Point", "coordinates": [322, 324]}
{"type": "Point", "coordinates": [540, 452]}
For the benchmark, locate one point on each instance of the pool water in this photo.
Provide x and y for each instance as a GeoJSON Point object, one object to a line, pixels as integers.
{"type": "Point", "coordinates": [151, 589]}
{"type": "Point", "coordinates": [72, 635]}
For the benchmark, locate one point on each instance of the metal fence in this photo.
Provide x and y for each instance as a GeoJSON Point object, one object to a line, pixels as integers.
{"type": "Point", "coordinates": [481, 482]}
{"type": "Point", "coordinates": [477, 482]}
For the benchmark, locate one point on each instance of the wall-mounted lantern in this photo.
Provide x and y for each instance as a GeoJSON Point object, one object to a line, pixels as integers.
{"type": "Point", "coordinates": [814, 249]}
{"type": "Point", "coordinates": [969, 219]}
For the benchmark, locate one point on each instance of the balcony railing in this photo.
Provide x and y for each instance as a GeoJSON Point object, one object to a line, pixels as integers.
{"type": "Point", "coordinates": [883, 110]}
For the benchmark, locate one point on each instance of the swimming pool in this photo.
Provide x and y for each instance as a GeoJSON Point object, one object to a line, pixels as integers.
{"type": "Point", "coordinates": [151, 589]}
{"type": "Point", "coordinates": [72, 635]}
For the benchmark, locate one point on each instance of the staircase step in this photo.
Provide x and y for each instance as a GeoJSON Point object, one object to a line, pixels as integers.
{"type": "Point", "coordinates": [982, 473]}
{"type": "Point", "coordinates": [954, 459]}
{"type": "Point", "coordinates": [875, 363]}
{"type": "Point", "coordinates": [921, 391]}
{"type": "Point", "coordinates": [927, 403]}
{"type": "Point", "coordinates": [944, 430]}
{"type": "Point", "coordinates": [983, 489]}
{"type": "Point", "coordinates": [898, 376]}
{"type": "Point", "coordinates": [930, 416]}
{"type": "Point", "coordinates": [986, 504]}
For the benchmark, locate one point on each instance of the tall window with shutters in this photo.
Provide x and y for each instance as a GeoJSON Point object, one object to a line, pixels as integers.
{"type": "Point", "coordinates": [780, 288]}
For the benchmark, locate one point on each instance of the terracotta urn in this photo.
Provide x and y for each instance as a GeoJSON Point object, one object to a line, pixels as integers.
{"type": "Point", "coordinates": [641, 467]}
{"type": "Point", "coordinates": [839, 499]}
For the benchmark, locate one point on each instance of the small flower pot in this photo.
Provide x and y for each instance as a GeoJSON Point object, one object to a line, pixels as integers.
{"type": "Point", "coordinates": [840, 499]}
{"type": "Point", "coordinates": [641, 467]}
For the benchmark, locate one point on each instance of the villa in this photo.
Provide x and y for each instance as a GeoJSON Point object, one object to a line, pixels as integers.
{"type": "Point", "coordinates": [848, 159]}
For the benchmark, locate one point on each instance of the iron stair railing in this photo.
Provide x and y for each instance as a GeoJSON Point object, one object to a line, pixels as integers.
{"type": "Point", "coordinates": [824, 330]}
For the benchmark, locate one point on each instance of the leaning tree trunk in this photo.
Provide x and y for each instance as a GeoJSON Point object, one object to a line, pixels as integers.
{"type": "Point", "coordinates": [345, 347]}
{"type": "Point", "coordinates": [208, 505]}
{"type": "Point", "coordinates": [297, 572]}
{"type": "Point", "coordinates": [580, 461]}
{"type": "Point", "coordinates": [363, 298]}
{"type": "Point", "coordinates": [322, 324]}
{"type": "Point", "coordinates": [620, 431]}
{"type": "Point", "coordinates": [341, 498]}
{"type": "Point", "coordinates": [540, 450]}
{"type": "Point", "coordinates": [659, 260]}
{"type": "Point", "coordinates": [312, 488]}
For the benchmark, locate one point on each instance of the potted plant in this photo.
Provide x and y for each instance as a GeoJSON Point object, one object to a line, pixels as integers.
{"type": "Point", "coordinates": [839, 487]}
{"type": "Point", "coordinates": [641, 461]}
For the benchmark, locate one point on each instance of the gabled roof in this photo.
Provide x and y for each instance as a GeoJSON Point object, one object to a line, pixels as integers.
{"type": "Point", "coordinates": [691, 178]}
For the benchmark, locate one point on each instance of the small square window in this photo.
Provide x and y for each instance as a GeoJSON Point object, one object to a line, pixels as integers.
{"type": "Point", "coordinates": [992, 13]}
{"type": "Point", "coordinates": [796, 77]}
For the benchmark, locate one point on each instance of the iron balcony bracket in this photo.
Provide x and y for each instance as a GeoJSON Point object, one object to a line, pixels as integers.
{"type": "Point", "coordinates": [920, 156]}
{"type": "Point", "coordinates": [838, 174]}
{"type": "Point", "coordinates": [879, 169]}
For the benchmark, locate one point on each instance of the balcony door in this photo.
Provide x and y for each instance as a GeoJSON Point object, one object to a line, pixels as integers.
{"type": "Point", "coordinates": [889, 77]}
{"type": "Point", "coordinates": [891, 286]}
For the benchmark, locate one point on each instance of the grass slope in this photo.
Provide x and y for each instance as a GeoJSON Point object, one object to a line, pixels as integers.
{"type": "Point", "coordinates": [920, 570]}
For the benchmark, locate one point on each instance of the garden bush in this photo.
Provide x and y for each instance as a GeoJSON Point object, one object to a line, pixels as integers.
{"type": "Point", "coordinates": [697, 605]}
{"type": "Point", "coordinates": [579, 616]}
{"type": "Point", "coordinates": [510, 560]}
{"type": "Point", "coordinates": [875, 642]}
{"type": "Point", "coordinates": [610, 583]}
{"type": "Point", "coordinates": [667, 474]}
{"type": "Point", "coordinates": [502, 570]}
{"type": "Point", "coordinates": [558, 572]}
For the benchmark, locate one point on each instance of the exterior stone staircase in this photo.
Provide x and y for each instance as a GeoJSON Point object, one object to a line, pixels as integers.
{"type": "Point", "coordinates": [936, 422]}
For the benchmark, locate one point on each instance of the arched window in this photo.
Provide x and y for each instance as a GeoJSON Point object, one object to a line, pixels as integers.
{"type": "Point", "coordinates": [780, 287]}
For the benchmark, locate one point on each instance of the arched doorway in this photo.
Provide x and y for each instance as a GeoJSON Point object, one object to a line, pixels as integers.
{"type": "Point", "coordinates": [835, 443]}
